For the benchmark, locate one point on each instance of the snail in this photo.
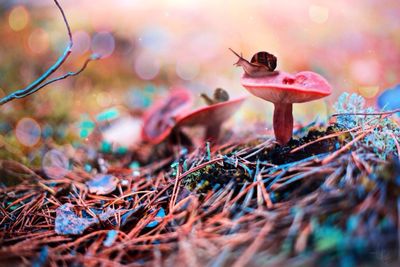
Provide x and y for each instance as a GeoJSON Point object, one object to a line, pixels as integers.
{"type": "Point", "coordinates": [262, 64]}
{"type": "Point", "coordinates": [220, 95]}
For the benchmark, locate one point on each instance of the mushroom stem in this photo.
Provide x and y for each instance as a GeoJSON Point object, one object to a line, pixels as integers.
{"type": "Point", "coordinates": [283, 122]}
{"type": "Point", "coordinates": [212, 133]}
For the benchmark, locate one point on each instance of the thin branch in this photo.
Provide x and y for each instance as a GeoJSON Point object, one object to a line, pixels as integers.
{"type": "Point", "coordinates": [38, 84]}
{"type": "Point", "coordinates": [390, 112]}
{"type": "Point", "coordinates": [62, 77]}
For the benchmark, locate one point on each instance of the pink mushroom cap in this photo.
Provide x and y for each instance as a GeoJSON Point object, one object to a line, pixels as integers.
{"type": "Point", "coordinates": [285, 88]}
{"type": "Point", "coordinates": [210, 115]}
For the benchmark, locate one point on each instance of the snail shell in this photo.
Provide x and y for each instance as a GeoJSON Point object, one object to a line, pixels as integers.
{"type": "Point", "coordinates": [266, 59]}
{"type": "Point", "coordinates": [262, 64]}
{"type": "Point", "coordinates": [220, 95]}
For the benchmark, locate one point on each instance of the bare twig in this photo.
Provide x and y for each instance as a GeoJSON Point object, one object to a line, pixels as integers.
{"type": "Point", "coordinates": [347, 146]}
{"type": "Point", "coordinates": [40, 82]}
{"type": "Point", "coordinates": [336, 134]}
{"type": "Point", "coordinates": [390, 112]}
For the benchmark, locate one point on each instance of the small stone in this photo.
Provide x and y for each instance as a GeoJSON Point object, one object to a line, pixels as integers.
{"type": "Point", "coordinates": [102, 184]}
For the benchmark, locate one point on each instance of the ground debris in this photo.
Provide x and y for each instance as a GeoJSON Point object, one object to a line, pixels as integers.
{"type": "Point", "coordinates": [102, 184]}
{"type": "Point", "coordinates": [324, 197]}
{"type": "Point", "coordinates": [68, 223]}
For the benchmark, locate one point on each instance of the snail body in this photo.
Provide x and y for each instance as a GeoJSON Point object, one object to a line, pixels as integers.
{"type": "Point", "coordinates": [262, 64]}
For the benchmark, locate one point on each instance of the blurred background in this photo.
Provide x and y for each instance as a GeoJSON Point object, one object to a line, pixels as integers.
{"type": "Point", "coordinates": [149, 47]}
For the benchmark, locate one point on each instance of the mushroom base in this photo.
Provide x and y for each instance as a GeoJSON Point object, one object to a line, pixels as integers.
{"type": "Point", "coordinates": [212, 133]}
{"type": "Point", "coordinates": [283, 122]}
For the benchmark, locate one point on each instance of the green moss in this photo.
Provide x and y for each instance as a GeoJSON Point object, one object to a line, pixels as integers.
{"type": "Point", "coordinates": [214, 176]}
{"type": "Point", "coordinates": [194, 179]}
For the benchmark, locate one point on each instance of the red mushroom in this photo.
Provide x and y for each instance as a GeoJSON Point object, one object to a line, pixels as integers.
{"type": "Point", "coordinates": [283, 90]}
{"type": "Point", "coordinates": [168, 116]}
{"type": "Point", "coordinates": [159, 120]}
{"type": "Point", "coordinates": [211, 117]}
{"type": "Point", "coordinates": [280, 88]}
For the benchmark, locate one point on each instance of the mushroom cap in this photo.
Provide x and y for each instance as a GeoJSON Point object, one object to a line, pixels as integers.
{"type": "Point", "coordinates": [301, 87]}
{"type": "Point", "coordinates": [159, 120]}
{"type": "Point", "coordinates": [210, 115]}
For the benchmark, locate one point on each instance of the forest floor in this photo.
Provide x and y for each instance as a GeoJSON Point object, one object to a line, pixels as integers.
{"type": "Point", "coordinates": [328, 198]}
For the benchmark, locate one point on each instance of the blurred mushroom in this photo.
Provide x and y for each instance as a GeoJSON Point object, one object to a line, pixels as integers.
{"type": "Point", "coordinates": [211, 117]}
{"type": "Point", "coordinates": [159, 120]}
{"type": "Point", "coordinates": [284, 89]}
{"type": "Point", "coordinates": [169, 116]}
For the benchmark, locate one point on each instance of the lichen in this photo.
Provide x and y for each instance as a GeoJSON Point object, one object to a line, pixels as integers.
{"type": "Point", "coordinates": [383, 138]}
